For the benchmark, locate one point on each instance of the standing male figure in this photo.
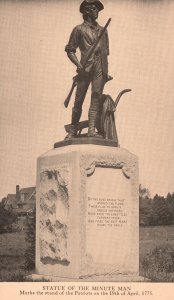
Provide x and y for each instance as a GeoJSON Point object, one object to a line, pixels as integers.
{"type": "Point", "coordinates": [83, 37]}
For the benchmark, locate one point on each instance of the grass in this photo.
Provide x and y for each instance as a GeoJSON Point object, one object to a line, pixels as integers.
{"type": "Point", "coordinates": [12, 242]}
{"type": "Point", "coordinates": [152, 237]}
{"type": "Point", "coordinates": [156, 254]}
{"type": "Point", "coordinates": [12, 250]}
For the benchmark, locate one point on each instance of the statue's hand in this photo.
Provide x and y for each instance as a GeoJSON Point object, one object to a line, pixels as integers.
{"type": "Point", "coordinates": [80, 69]}
{"type": "Point", "coordinates": [82, 73]}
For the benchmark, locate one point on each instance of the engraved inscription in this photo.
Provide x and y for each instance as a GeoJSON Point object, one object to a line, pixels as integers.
{"type": "Point", "coordinates": [106, 212]}
{"type": "Point", "coordinates": [108, 216]}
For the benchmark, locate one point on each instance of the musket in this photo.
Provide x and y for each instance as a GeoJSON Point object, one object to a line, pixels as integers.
{"type": "Point", "coordinates": [91, 51]}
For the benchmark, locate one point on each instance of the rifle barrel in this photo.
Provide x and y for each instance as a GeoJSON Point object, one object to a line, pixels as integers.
{"type": "Point", "coordinates": [96, 42]}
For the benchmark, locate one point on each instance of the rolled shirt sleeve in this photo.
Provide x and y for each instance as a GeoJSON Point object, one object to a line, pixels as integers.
{"type": "Point", "coordinates": [73, 43]}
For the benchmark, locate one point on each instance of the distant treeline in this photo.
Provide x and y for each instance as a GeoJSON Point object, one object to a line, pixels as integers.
{"type": "Point", "coordinates": [154, 211]}
{"type": "Point", "coordinates": [157, 210]}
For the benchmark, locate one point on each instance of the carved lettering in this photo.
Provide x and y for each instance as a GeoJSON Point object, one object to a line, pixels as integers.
{"type": "Point", "coordinates": [106, 212]}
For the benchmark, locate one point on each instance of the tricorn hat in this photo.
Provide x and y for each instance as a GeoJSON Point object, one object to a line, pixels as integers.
{"type": "Point", "coordinates": [98, 4]}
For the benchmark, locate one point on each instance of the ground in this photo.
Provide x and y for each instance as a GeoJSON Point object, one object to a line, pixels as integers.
{"type": "Point", "coordinates": [12, 251]}
{"type": "Point", "coordinates": [156, 236]}
{"type": "Point", "coordinates": [156, 254]}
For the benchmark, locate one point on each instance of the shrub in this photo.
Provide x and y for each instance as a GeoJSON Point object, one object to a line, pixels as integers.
{"type": "Point", "coordinates": [7, 219]}
{"type": "Point", "coordinates": [158, 265]}
{"type": "Point", "coordinates": [30, 242]}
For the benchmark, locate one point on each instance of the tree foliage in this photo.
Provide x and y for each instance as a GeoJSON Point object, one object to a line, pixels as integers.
{"type": "Point", "coordinates": [7, 219]}
{"type": "Point", "coordinates": [157, 210]}
{"type": "Point", "coordinates": [30, 241]}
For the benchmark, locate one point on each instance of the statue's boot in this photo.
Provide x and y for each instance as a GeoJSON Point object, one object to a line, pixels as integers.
{"type": "Point", "coordinates": [74, 122]}
{"type": "Point", "coordinates": [98, 123]}
{"type": "Point", "coordinates": [92, 123]}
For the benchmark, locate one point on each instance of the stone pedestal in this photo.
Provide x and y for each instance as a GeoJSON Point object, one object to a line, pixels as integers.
{"type": "Point", "coordinates": [87, 213]}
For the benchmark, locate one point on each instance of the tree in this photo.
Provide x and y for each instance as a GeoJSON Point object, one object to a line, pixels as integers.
{"type": "Point", "coordinates": [7, 218]}
{"type": "Point", "coordinates": [145, 205]}
{"type": "Point", "coordinates": [144, 193]}
{"type": "Point", "coordinates": [162, 208]}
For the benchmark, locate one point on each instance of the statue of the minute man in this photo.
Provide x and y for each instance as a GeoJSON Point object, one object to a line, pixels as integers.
{"type": "Point", "coordinates": [95, 71]}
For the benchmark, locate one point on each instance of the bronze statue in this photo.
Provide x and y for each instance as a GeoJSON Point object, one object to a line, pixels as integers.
{"type": "Point", "coordinates": [93, 42]}
{"type": "Point", "coordinates": [95, 70]}
{"type": "Point", "coordinates": [108, 127]}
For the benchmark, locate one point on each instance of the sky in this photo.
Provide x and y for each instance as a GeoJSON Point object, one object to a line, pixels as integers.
{"type": "Point", "coordinates": [36, 75]}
